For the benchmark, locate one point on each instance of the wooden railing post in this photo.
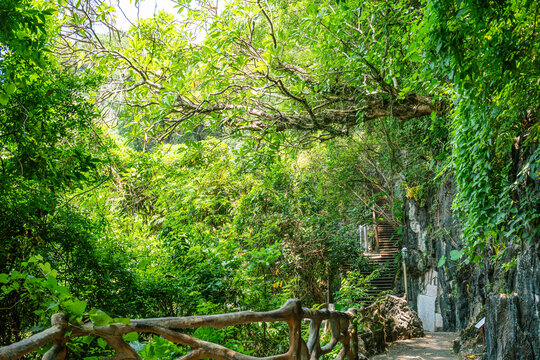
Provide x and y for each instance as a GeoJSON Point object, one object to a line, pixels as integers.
{"type": "Point", "coordinates": [122, 350]}
{"type": "Point", "coordinates": [295, 331]}
{"type": "Point", "coordinates": [353, 334]}
{"type": "Point", "coordinates": [58, 350]}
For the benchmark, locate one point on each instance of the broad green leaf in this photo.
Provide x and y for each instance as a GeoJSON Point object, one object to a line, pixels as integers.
{"type": "Point", "coordinates": [102, 343]}
{"type": "Point", "coordinates": [16, 275]}
{"type": "Point", "coordinates": [75, 307]}
{"type": "Point", "coordinates": [52, 305]}
{"type": "Point", "coordinates": [10, 88]}
{"type": "Point", "coordinates": [87, 339]}
{"type": "Point", "coordinates": [63, 291]}
{"type": "Point", "coordinates": [442, 261]}
{"type": "Point", "coordinates": [455, 255]}
{"type": "Point", "coordinates": [100, 318]}
{"type": "Point", "coordinates": [4, 278]}
{"type": "Point", "coordinates": [46, 267]}
{"type": "Point", "coordinates": [35, 258]}
{"type": "Point", "coordinates": [133, 336]}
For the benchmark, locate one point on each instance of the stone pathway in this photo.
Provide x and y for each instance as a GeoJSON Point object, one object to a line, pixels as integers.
{"type": "Point", "coordinates": [434, 346]}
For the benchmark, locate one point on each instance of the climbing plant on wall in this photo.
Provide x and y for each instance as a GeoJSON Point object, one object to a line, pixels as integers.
{"type": "Point", "coordinates": [489, 55]}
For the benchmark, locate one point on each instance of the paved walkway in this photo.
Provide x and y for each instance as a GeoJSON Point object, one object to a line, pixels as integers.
{"type": "Point", "coordinates": [435, 346]}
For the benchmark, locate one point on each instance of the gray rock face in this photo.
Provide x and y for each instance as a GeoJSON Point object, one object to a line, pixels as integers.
{"type": "Point", "coordinates": [513, 320]}
{"type": "Point", "coordinates": [460, 295]}
{"type": "Point", "coordinates": [446, 297]}
{"type": "Point", "coordinates": [502, 330]}
{"type": "Point", "coordinates": [528, 290]}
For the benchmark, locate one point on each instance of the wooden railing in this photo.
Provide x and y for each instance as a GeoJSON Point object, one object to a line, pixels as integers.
{"type": "Point", "coordinates": [341, 326]}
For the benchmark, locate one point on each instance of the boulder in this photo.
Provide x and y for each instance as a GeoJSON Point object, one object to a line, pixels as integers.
{"type": "Point", "coordinates": [406, 322]}
{"type": "Point", "coordinates": [387, 320]}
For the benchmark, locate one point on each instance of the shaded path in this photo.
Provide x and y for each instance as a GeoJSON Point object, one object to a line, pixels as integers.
{"type": "Point", "coordinates": [435, 346]}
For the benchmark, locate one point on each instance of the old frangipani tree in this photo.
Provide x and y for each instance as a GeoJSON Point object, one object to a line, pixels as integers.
{"type": "Point", "coordinates": [321, 67]}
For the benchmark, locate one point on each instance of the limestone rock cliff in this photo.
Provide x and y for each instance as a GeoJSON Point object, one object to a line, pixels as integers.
{"type": "Point", "coordinates": [455, 296]}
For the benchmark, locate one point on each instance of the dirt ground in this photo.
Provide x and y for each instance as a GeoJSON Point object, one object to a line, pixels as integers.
{"type": "Point", "coordinates": [435, 346]}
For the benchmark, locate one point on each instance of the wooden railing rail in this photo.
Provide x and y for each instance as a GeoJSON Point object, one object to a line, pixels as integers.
{"type": "Point", "coordinates": [342, 330]}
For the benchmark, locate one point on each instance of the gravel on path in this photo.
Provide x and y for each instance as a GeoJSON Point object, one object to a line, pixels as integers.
{"type": "Point", "coordinates": [434, 346]}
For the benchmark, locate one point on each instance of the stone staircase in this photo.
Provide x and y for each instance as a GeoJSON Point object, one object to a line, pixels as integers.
{"type": "Point", "coordinates": [385, 259]}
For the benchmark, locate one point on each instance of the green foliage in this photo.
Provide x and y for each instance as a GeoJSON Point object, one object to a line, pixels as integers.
{"type": "Point", "coordinates": [24, 39]}
{"type": "Point", "coordinates": [157, 348]}
{"type": "Point", "coordinates": [228, 337]}
{"type": "Point", "coordinates": [50, 153]}
{"type": "Point", "coordinates": [38, 294]}
{"type": "Point", "coordinates": [209, 231]}
{"type": "Point", "coordinates": [491, 63]}
{"type": "Point", "coordinates": [217, 227]}
{"type": "Point", "coordinates": [354, 287]}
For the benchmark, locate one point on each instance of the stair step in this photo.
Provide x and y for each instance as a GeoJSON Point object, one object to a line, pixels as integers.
{"type": "Point", "coordinates": [384, 258]}
{"type": "Point", "coordinates": [387, 286]}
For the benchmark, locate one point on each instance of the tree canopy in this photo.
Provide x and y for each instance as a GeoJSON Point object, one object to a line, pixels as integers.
{"type": "Point", "coordinates": [333, 68]}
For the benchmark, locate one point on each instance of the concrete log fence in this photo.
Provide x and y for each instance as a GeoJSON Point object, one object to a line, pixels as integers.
{"type": "Point", "coordinates": [341, 325]}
